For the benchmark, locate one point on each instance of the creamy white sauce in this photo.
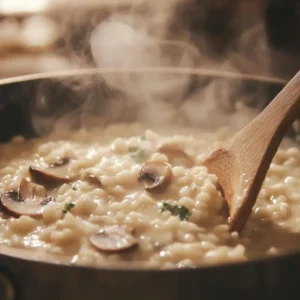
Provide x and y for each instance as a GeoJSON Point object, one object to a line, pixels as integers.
{"type": "Point", "coordinates": [164, 239]}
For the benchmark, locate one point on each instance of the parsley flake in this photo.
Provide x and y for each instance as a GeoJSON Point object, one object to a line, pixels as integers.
{"type": "Point", "coordinates": [177, 210]}
{"type": "Point", "coordinates": [74, 186]}
{"type": "Point", "coordinates": [138, 154]}
{"type": "Point", "coordinates": [133, 149]}
{"type": "Point", "coordinates": [68, 207]}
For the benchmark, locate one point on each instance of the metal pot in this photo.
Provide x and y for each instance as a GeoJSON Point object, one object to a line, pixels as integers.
{"type": "Point", "coordinates": [23, 277]}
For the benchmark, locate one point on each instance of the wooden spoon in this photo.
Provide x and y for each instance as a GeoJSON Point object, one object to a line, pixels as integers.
{"type": "Point", "coordinates": [241, 164]}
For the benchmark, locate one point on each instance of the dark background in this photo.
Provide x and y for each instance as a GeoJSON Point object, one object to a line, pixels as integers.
{"type": "Point", "coordinates": [214, 26]}
{"type": "Point", "coordinates": [224, 22]}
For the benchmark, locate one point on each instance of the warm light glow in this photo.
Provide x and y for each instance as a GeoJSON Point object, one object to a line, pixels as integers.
{"type": "Point", "coordinates": [21, 6]}
{"type": "Point", "coordinates": [33, 6]}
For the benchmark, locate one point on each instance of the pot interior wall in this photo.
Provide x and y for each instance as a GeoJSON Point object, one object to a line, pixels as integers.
{"type": "Point", "coordinates": [34, 107]}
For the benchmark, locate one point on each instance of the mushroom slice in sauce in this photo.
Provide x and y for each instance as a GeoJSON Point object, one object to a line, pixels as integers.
{"type": "Point", "coordinates": [56, 173]}
{"type": "Point", "coordinates": [61, 162]}
{"type": "Point", "coordinates": [156, 175]}
{"type": "Point", "coordinates": [30, 201]}
{"type": "Point", "coordinates": [113, 239]}
{"type": "Point", "coordinates": [93, 180]}
{"type": "Point", "coordinates": [28, 189]}
{"type": "Point", "coordinates": [176, 156]}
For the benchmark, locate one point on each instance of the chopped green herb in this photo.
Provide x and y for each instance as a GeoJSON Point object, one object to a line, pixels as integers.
{"type": "Point", "coordinates": [133, 149]}
{"type": "Point", "coordinates": [184, 213]}
{"type": "Point", "coordinates": [138, 154]}
{"type": "Point", "coordinates": [68, 207]}
{"type": "Point", "coordinates": [74, 186]}
{"type": "Point", "coordinates": [177, 210]}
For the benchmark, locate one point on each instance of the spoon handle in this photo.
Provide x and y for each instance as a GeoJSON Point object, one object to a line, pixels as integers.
{"type": "Point", "coordinates": [284, 108]}
{"type": "Point", "coordinates": [254, 147]}
{"type": "Point", "coordinates": [272, 123]}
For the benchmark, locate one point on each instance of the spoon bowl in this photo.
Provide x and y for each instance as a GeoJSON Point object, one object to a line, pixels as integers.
{"type": "Point", "coordinates": [241, 164]}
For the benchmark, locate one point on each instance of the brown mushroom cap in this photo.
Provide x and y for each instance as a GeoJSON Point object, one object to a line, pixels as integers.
{"type": "Point", "coordinates": [93, 180]}
{"type": "Point", "coordinates": [113, 239]}
{"type": "Point", "coordinates": [60, 162]}
{"type": "Point", "coordinates": [31, 200]}
{"type": "Point", "coordinates": [28, 189]}
{"type": "Point", "coordinates": [56, 173]}
{"type": "Point", "coordinates": [156, 175]}
{"type": "Point", "coordinates": [176, 156]}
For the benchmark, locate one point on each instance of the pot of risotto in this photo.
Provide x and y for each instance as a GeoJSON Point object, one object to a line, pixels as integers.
{"type": "Point", "coordinates": [103, 196]}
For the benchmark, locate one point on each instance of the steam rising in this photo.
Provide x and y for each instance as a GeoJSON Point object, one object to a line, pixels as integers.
{"type": "Point", "coordinates": [126, 41]}
{"type": "Point", "coordinates": [118, 44]}
{"type": "Point", "coordinates": [134, 42]}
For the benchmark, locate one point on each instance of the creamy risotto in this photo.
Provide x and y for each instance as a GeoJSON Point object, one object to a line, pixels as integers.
{"type": "Point", "coordinates": [126, 194]}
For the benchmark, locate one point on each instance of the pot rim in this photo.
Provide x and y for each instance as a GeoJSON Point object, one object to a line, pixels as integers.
{"type": "Point", "coordinates": [25, 255]}
{"type": "Point", "coordinates": [60, 261]}
{"type": "Point", "coordinates": [167, 70]}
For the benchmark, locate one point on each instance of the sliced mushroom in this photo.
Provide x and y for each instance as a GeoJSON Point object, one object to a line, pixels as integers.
{"type": "Point", "coordinates": [156, 175]}
{"type": "Point", "coordinates": [56, 173]}
{"type": "Point", "coordinates": [31, 200]}
{"type": "Point", "coordinates": [93, 180]}
{"type": "Point", "coordinates": [113, 239]}
{"type": "Point", "coordinates": [28, 189]}
{"type": "Point", "coordinates": [176, 156]}
{"type": "Point", "coordinates": [61, 162]}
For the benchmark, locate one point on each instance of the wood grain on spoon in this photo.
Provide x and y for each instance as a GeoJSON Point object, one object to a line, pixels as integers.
{"type": "Point", "coordinates": [241, 164]}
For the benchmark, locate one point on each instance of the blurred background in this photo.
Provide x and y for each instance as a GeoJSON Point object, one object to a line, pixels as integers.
{"type": "Point", "coordinates": [256, 36]}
